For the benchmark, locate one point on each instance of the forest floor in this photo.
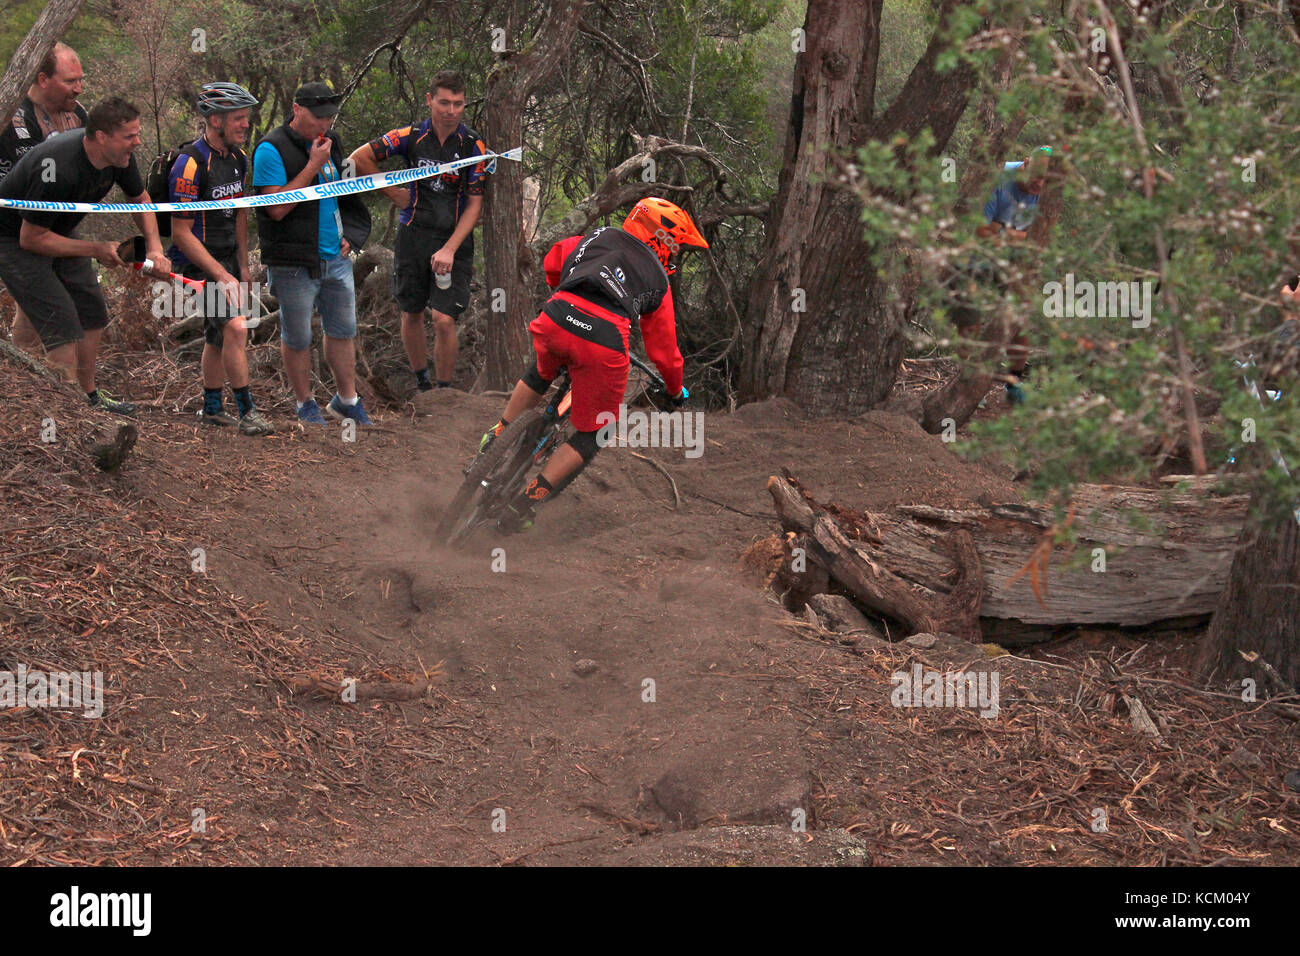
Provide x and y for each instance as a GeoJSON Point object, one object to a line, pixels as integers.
{"type": "Point", "coordinates": [711, 727]}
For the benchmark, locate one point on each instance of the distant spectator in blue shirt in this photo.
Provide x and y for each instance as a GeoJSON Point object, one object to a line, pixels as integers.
{"type": "Point", "coordinates": [1010, 212]}
{"type": "Point", "coordinates": [1014, 202]}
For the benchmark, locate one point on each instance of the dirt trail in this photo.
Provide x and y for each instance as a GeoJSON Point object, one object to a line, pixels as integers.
{"type": "Point", "coordinates": [319, 561]}
{"type": "Point", "coordinates": [613, 574]}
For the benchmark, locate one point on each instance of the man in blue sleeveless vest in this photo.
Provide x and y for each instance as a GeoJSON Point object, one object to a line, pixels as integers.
{"type": "Point", "coordinates": [307, 247]}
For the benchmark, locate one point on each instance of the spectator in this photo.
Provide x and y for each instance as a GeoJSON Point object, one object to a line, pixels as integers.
{"type": "Point", "coordinates": [434, 258]}
{"type": "Point", "coordinates": [307, 249]}
{"type": "Point", "coordinates": [49, 108]}
{"type": "Point", "coordinates": [47, 269]}
{"type": "Point", "coordinates": [213, 247]}
{"type": "Point", "coordinates": [1010, 212]}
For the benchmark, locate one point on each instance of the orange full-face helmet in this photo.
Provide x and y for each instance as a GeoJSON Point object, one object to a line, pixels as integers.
{"type": "Point", "coordinates": [664, 227]}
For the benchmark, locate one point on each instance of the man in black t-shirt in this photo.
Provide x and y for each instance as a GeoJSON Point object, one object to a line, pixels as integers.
{"type": "Point", "coordinates": [49, 108]}
{"type": "Point", "coordinates": [433, 261]}
{"type": "Point", "coordinates": [48, 270]}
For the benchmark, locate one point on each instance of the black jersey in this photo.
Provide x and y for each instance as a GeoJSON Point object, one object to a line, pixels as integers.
{"type": "Point", "coordinates": [24, 133]}
{"type": "Point", "coordinates": [59, 170]}
{"type": "Point", "coordinates": [201, 174]}
{"type": "Point", "coordinates": [611, 267]}
{"type": "Point", "coordinates": [437, 202]}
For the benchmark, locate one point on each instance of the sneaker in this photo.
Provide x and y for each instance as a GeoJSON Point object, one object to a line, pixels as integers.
{"type": "Point", "coordinates": [1015, 394]}
{"type": "Point", "coordinates": [255, 423]}
{"type": "Point", "coordinates": [424, 386]}
{"type": "Point", "coordinates": [339, 411]}
{"type": "Point", "coordinates": [310, 413]}
{"type": "Point", "coordinates": [515, 521]}
{"type": "Point", "coordinates": [222, 417]}
{"type": "Point", "coordinates": [108, 403]}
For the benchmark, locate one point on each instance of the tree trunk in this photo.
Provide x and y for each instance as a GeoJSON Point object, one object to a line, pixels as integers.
{"type": "Point", "coordinates": [1259, 611]}
{"type": "Point", "coordinates": [1142, 578]}
{"type": "Point", "coordinates": [822, 331]}
{"type": "Point", "coordinates": [45, 32]}
{"type": "Point", "coordinates": [510, 274]}
{"type": "Point", "coordinates": [992, 142]}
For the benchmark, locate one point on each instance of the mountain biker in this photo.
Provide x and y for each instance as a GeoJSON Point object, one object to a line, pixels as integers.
{"type": "Point", "coordinates": [213, 246]}
{"type": "Point", "coordinates": [603, 281]}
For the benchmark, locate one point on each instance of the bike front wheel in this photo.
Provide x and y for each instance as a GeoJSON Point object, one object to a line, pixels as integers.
{"type": "Point", "coordinates": [495, 477]}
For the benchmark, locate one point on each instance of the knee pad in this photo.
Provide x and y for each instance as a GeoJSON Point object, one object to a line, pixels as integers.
{"type": "Point", "coordinates": [585, 444]}
{"type": "Point", "coordinates": [533, 379]}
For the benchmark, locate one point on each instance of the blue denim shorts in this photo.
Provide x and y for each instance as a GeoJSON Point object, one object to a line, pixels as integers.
{"type": "Point", "coordinates": [333, 295]}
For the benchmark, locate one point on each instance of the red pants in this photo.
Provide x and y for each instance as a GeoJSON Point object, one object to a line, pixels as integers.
{"type": "Point", "coordinates": [592, 342]}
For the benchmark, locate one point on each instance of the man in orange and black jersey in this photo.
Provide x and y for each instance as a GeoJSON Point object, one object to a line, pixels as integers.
{"type": "Point", "coordinates": [433, 261]}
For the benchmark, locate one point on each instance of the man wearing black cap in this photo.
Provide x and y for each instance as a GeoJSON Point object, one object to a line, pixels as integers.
{"type": "Point", "coordinates": [307, 247]}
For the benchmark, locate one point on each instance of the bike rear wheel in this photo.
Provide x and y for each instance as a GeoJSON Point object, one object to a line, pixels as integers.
{"type": "Point", "coordinates": [495, 477]}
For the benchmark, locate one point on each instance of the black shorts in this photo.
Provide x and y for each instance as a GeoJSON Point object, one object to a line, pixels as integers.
{"type": "Point", "coordinates": [60, 296]}
{"type": "Point", "coordinates": [961, 281]}
{"type": "Point", "coordinates": [414, 288]}
{"type": "Point", "coordinates": [212, 305]}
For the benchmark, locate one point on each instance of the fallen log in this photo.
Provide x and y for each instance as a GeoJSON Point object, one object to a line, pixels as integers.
{"type": "Point", "coordinates": [1171, 563]}
{"type": "Point", "coordinates": [854, 565]}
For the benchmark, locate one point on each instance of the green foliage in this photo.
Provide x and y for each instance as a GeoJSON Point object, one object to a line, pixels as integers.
{"type": "Point", "coordinates": [1106, 394]}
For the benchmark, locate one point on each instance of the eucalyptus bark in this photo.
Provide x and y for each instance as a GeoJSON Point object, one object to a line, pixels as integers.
{"type": "Point", "coordinates": [510, 273]}
{"type": "Point", "coordinates": [822, 328]}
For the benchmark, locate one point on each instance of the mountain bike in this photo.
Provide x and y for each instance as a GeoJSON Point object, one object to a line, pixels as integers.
{"type": "Point", "coordinates": [499, 473]}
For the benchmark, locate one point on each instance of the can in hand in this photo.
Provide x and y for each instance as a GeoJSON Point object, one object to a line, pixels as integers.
{"type": "Point", "coordinates": [443, 280]}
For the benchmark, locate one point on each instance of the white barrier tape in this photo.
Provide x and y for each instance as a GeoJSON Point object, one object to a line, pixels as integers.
{"type": "Point", "coordinates": [341, 187]}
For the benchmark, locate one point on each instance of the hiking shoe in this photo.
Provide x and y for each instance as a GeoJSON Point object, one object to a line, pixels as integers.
{"type": "Point", "coordinates": [310, 414]}
{"type": "Point", "coordinates": [357, 412]}
{"type": "Point", "coordinates": [222, 417]}
{"type": "Point", "coordinates": [514, 521]}
{"type": "Point", "coordinates": [255, 423]}
{"type": "Point", "coordinates": [108, 403]}
{"type": "Point", "coordinates": [1015, 394]}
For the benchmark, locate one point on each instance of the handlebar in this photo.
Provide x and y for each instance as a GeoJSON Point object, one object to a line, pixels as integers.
{"type": "Point", "coordinates": [643, 366]}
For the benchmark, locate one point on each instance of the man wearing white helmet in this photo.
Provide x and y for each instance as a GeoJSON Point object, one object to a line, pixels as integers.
{"type": "Point", "coordinates": [212, 246]}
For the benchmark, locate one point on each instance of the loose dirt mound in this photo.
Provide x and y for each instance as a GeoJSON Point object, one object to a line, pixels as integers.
{"type": "Point", "coordinates": [704, 726]}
